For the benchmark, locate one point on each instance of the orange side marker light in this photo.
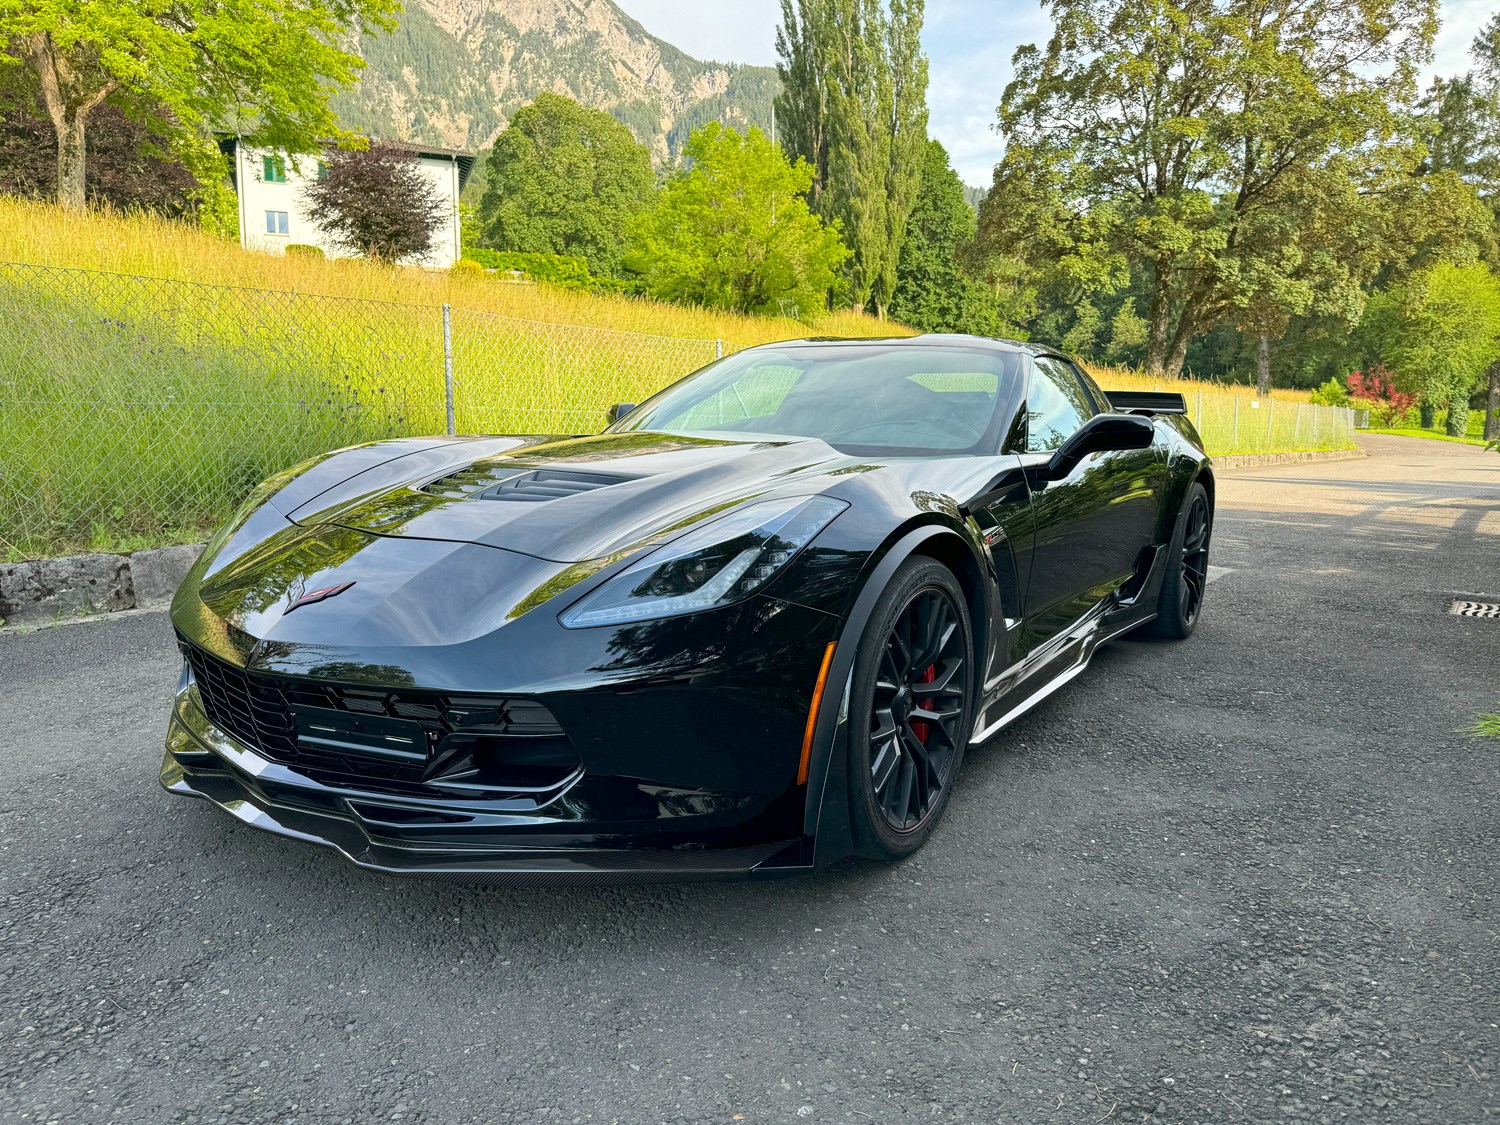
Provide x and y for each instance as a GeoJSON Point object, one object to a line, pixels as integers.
{"type": "Point", "coordinates": [812, 714]}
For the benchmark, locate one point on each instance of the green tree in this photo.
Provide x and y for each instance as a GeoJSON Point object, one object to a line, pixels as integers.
{"type": "Point", "coordinates": [1439, 331]}
{"type": "Point", "coordinates": [261, 68]}
{"type": "Point", "coordinates": [733, 230]}
{"type": "Point", "coordinates": [1297, 253]}
{"type": "Point", "coordinates": [567, 180]}
{"type": "Point", "coordinates": [1464, 137]}
{"type": "Point", "coordinates": [932, 292]}
{"type": "Point", "coordinates": [1464, 115]}
{"type": "Point", "coordinates": [1165, 133]}
{"type": "Point", "coordinates": [854, 106]}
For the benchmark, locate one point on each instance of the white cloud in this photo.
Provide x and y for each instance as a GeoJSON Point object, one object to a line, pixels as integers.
{"type": "Point", "coordinates": [969, 44]}
{"type": "Point", "coordinates": [1462, 20]}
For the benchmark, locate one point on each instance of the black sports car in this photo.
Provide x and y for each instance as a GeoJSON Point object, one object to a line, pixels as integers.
{"type": "Point", "coordinates": [749, 628]}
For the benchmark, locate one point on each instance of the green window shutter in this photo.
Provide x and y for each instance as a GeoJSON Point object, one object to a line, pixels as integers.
{"type": "Point", "coordinates": [273, 171]}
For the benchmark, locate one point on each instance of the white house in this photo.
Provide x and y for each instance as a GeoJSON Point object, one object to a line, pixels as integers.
{"type": "Point", "coordinates": [273, 213]}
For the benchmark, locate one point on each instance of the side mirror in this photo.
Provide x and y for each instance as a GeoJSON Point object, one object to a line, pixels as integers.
{"type": "Point", "coordinates": [619, 410]}
{"type": "Point", "coordinates": [1103, 433]}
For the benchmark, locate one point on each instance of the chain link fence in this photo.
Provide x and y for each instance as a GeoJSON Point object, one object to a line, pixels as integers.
{"type": "Point", "coordinates": [1231, 422]}
{"type": "Point", "coordinates": [139, 411]}
{"type": "Point", "coordinates": [136, 411]}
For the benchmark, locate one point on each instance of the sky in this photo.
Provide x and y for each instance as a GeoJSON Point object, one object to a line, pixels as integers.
{"type": "Point", "coordinates": [969, 44]}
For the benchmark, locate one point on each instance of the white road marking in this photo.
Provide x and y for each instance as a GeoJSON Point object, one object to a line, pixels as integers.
{"type": "Point", "coordinates": [1217, 572]}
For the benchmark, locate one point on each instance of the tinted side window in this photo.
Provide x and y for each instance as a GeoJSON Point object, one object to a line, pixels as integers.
{"type": "Point", "coordinates": [1056, 405]}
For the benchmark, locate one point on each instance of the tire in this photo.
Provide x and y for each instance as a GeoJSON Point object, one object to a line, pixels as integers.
{"type": "Point", "coordinates": [1183, 586]}
{"type": "Point", "coordinates": [906, 751]}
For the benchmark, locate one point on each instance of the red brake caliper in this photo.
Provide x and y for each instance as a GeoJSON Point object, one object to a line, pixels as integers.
{"type": "Point", "coordinates": [919, 726]}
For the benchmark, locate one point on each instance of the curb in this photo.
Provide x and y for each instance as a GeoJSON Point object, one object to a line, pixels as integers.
{"type": "Point", "coordinates": [1260, 460]}
{"type": "Point", "coordinates": [48, 590]}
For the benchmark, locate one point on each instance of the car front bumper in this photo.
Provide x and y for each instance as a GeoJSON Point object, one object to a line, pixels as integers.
{"type": "Point", "coordinates": [404, 836]}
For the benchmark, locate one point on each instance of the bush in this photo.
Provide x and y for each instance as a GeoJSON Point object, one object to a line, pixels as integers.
{"type": "Point", "coordinates": [1331, 393]}
{"type": "Point", "coordinates": [466, 269]}
{"type": "Point", "coordinates": [1456, 424]}
{"type": "Point", "coordinates": [306, 250]}
{"type": "Point", "coordinates": [561, 270]}
{"type": "Point", "coordinates": [1376, 392]}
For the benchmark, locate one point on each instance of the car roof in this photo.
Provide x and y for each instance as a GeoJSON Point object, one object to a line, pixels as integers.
{"type": "Point", "coordinates": [931, 339]}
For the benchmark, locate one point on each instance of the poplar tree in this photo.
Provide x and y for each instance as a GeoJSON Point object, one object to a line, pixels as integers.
{"type": "Point", "coordinates": [854, 107]}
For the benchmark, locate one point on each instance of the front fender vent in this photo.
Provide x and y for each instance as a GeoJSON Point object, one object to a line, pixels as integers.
{"type": "Point", "coordinates": [489, 482]}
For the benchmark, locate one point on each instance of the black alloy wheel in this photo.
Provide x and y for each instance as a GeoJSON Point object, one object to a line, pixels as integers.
{"type": "Point", "coordinates": [1194, 575]}
{"type": "Point", "coordinates": [1186, 580]}
{"type": "Point", "coordinates": [916, 673]}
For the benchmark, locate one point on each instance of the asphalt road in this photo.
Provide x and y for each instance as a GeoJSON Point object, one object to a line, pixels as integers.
{"type": "Point", "coordinates": [1249, 877]}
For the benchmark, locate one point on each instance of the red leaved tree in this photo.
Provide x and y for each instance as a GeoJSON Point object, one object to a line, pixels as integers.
{"type": "Point", "coordinates": [1376, 391]}
{"type": "Point", "coordinates": [377, 202]}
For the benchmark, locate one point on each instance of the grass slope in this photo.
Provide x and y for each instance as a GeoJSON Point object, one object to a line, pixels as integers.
{"type": "Point", "coordinates": [140, 405]}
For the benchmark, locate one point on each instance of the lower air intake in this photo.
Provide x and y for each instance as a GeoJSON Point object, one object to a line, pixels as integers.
{"type": "Point", "coordinates": [396, 740]}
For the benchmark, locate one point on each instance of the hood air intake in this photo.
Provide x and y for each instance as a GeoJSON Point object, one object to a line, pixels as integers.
{"type": "Point", "coordinates": [478, 482]}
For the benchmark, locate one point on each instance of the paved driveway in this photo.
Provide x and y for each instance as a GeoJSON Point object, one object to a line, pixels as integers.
{"type": "Point", "coordinates": [1250, 877]}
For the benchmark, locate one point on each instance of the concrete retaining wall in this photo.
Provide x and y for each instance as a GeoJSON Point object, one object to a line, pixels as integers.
{"type": "Point", "coordinates": [1257, 460]}
{"type": "Point", "coordinates": [35, 593]}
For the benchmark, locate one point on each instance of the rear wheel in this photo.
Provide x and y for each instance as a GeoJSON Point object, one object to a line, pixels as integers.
{"type": "Point", "coordinates": [913, 693]}
{"type": "Point", "coordinates": [1180, 603]}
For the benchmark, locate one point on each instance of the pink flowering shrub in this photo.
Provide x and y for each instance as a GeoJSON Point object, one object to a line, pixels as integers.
{"type": "Point", "coordinates": [1376, 392]}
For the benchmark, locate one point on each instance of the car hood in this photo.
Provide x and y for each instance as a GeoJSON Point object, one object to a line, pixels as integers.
{"type": "Point", "coordinates": [578, 499]}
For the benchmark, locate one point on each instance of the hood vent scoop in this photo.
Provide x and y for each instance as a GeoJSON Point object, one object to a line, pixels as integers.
{"type": "Point", "coordinates": [478, 482]}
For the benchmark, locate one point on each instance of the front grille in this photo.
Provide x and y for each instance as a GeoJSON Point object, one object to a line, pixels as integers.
{"type": "Point", "coordinates": [399, 739]}
{"type": "Point", "coordinates": [254, 712]}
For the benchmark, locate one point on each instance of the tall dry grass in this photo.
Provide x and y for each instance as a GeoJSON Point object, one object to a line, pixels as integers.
{"type": "Point", "coordinates": [143, 245]}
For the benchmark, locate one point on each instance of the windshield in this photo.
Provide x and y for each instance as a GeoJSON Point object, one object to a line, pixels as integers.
{"type": "Point", "coordinates": [901, 398]}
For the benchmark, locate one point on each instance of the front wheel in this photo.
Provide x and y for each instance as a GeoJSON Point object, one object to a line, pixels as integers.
{"type": "Point", "coordinates": [913, 695]}
{"type": "Point", "coordinates": [1180, 602]}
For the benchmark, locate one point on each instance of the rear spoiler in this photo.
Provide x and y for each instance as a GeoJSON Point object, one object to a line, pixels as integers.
{"type": "Point", "coordinates": [1146, 402]}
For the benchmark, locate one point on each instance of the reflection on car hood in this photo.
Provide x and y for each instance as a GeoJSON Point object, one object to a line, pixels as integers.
{"type": "Point", "coordinates": [584, 498]}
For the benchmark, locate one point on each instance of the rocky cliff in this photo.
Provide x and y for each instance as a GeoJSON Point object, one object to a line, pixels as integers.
{"type": "Point", "coordinates": [454, 71]}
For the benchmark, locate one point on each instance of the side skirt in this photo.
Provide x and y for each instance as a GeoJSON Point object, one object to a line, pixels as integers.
{"type": "Point", "coordinates": [1023, 686]}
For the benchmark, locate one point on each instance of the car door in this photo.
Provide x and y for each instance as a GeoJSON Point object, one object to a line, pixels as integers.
{"type": "Point", "coordinates": [1094, 527]}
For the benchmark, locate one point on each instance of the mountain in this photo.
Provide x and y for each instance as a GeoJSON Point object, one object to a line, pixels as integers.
{"type": "Point", "coordinates": [454, 71]}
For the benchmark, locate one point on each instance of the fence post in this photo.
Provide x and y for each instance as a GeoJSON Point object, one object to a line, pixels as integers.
{"type": "Point", "coordinates": [1315, 411]}
{"type": "Point", "coordinates": [1270, 418]}
{"type": "Point", "coordinates": [718, 349]}
{"type": "Point", "coordinates": [1297, 429]}
{"type": "Point", "coordinates": [1235, 440]}
{"type": "Point", "coordinates": [448, 366]}
{"type": "Point", "coordinates": [1199, 422]}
